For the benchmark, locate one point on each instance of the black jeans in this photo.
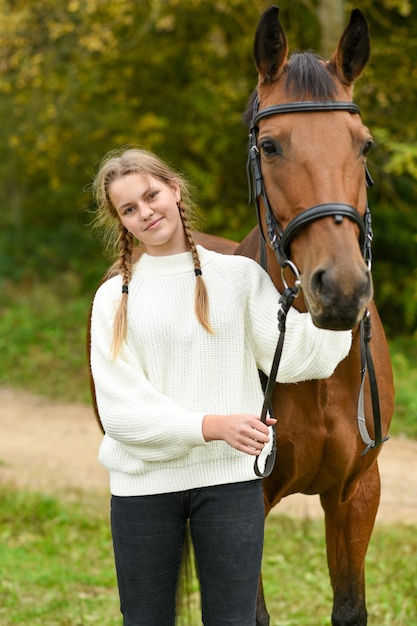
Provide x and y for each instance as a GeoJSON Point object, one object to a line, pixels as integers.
{"type": "Point", "coordinates": [227, 530]}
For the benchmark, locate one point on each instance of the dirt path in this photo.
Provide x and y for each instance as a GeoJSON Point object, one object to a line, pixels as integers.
{"type": "Point", "coordinates": [52, 447]}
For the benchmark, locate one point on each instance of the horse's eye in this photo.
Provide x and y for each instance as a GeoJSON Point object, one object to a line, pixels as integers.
{"type": "Point", "coordinates": [270, 148]}
{"type": "Point", "coordinates": [367, 147]}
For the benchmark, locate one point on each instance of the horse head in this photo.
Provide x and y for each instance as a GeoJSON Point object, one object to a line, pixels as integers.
{"type": "Point", "coordinates": [310, 148]}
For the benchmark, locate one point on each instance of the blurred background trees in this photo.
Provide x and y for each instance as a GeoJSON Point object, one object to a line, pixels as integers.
{"type": "Point", "coordinates": [80, 77]}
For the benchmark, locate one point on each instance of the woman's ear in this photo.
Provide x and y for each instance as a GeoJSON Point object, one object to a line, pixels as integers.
{"type": "Point", "coordinates": [176, 191]}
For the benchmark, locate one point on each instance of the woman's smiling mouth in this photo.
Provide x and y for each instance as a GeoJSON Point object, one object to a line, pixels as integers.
{"type": "Point", "coordinates": [154, 223]}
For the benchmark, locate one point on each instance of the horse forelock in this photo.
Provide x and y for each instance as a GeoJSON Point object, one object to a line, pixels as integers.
{"type": "Point", "coordinates": [306, 76]}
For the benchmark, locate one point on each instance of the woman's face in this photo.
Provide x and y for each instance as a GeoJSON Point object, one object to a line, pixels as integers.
{"type": "Point", "coordinates": [148, 208]}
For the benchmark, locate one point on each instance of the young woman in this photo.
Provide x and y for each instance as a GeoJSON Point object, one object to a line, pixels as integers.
{"type": "Point", "coordinates": [176, 343]}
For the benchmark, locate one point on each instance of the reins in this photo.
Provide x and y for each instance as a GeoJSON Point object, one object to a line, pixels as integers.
{"type": "Point", "coordinates": [279, 239]}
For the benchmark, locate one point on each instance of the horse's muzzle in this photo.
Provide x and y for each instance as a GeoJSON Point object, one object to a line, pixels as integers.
{"type": "Point", "coordinates": [337, 304]}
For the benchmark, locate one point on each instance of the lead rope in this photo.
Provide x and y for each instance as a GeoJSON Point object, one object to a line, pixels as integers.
{"type": "Point", "coordinates": [268, 383]}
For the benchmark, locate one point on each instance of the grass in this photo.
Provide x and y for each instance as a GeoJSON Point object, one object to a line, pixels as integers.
{"type": "Point", "coordinates": [296, 582]}
{"type": "Point", "coordinates": [57, 567]}
{"type": "Point", "coordinates": [56, 562]}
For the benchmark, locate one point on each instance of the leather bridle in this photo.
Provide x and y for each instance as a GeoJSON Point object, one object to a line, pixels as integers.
{"type": "Point", "coordinates": [279, 239]}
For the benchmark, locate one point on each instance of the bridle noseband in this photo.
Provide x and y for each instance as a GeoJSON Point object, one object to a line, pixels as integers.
{"type": "Point", "coordinates": [279, 239]}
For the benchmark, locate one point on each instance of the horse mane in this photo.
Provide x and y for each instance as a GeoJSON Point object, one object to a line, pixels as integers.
{"type": "Point", "coordinates": [306, 77]}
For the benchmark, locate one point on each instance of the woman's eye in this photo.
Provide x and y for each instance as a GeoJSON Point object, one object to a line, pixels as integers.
{"type": "Point", "coordinates": [270, 148]}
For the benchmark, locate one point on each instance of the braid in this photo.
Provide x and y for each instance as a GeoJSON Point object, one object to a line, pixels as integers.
{"type": "Point", "coordinates": [124, 267]}
{"type": "Point", "coordinates": [201, 299]}
{"type": "Point", "coordinates": [114, 166]}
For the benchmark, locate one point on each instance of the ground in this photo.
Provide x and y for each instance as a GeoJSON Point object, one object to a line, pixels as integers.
{"type": "Point", "coordinates": [52, 448]}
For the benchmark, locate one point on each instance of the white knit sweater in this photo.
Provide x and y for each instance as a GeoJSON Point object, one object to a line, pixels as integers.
{"type": "Point", "coordinates": [171, 372]}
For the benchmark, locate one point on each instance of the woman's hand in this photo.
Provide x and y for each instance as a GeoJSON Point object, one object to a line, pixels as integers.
{"type": "Point", "coordinates": [244, 432]}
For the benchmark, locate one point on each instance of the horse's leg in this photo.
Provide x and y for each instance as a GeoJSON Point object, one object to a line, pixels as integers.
{"type": "Point", "coordinates": [348, 531]}
{"type": "Point", "coordinates": [262, 615]}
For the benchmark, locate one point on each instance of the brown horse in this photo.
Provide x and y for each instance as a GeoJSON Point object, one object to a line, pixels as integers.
{"type": "Point", "coordinates": [308, 149]}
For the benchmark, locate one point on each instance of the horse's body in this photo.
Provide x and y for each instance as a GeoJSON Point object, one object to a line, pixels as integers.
{"type": "Point", "coordinates": [314, 159]}
{"type": "Point", "coordinates": [211, 242]}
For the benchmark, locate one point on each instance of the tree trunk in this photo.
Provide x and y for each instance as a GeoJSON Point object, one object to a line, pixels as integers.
{"type": "Point", "coordinates": [332, 22]}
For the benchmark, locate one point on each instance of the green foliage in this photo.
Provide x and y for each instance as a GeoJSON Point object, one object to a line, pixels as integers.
{"type": "Point", "coordinates": [58, 570]}
{"type": "Point", "coordinates": [388, 99]}
{"type": "Point", "coordinates": [43, 339]}
{"type": "Point", "coordinates": [79, 78]}
{"type": "Point", "coordinates": [404, 361]}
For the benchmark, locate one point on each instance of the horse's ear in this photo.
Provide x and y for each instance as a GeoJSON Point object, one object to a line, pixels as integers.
{"type": "Point", "coordinates": [271, 46]}
{"type": "Point", "coordinates": [352, 52]}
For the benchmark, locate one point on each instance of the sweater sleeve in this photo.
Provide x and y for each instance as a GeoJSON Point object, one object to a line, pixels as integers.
{"type": "Point", "coordinates": [149, 424]}
{"type": "Point", "coordinates": [309, 352]}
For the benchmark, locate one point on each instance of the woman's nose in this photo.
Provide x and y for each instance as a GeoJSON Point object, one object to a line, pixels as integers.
{"type": "Point", "coordinates": [146, 211]}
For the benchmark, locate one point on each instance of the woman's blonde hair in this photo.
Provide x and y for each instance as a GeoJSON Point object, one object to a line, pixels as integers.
{"type": "Point", "coordinates": [115, 165]}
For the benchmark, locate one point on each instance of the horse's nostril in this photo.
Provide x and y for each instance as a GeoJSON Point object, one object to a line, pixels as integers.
{"type": "Point", "coordinates": [318, 282]}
